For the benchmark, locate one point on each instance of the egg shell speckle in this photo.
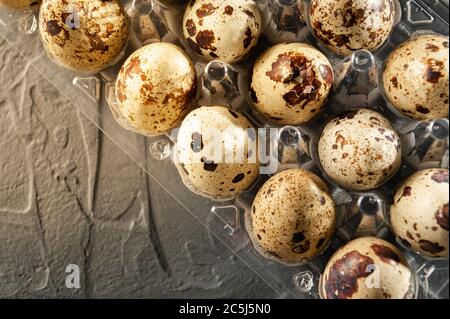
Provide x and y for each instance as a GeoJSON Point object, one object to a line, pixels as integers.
{"type": "Point", "coordinates": [222, 29]}
{"type": "Point", "coordinates": [291, 83]}
{"type": "Point", "coordinates": [345, 26]}
{"type": "Point", "coordinates": [81, 35]}
{"type": "Point", "coordinates": [367, 268]}
{"type": "Point", "coordinates": [220, 178]}
{"type": "Point", "coordinates": [419, 213]}
{"type": "Point", "coordinates": [19, 4]}
{"type": "Point", "coordinates": [360, 149]}
{"type": "Point", "coordinates": [293, 216]}
{"type": "Point", "coordinates": [154, 88]}
{"type": "Point", "coordinates": [416, 77]}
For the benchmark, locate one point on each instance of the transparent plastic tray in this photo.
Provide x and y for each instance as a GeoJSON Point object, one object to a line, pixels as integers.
{"type": "Point", "coordinates": [356, 85]}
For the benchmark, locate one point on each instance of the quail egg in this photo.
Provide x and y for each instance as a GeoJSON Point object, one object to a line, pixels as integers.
{"type": "Point", "coordinates": [83, 35]}
{"type": "Point", "coordinates": [345, 26]}
{"type": "Point", "coordinates": [155, 87]}
{"type": "Point", "coordinates": [291, 83]}
{"type": "Point", "coordinates": [419, 213]}
{"type": "Point", "coordinates": [215, 153]}
{"type": "Point", "coordinates": [19, 4]}
{"type": "Point", "coordinates": [367, 268]}
{"type": "Point", "coordinates": [293, 217]}
{"type": "Point", "coordinates": [416, 79]}
{"type": "Point", "coordinates": [222, 29]}
{"type": "Point", "coordinates": [360, 150]}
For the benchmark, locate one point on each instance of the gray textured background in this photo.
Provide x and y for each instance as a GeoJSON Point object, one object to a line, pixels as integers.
{"type": "Point", "coordinates": [68, 195]}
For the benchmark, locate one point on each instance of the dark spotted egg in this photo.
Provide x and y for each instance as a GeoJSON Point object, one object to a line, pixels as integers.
{"type": "Point", "coordinates": [367, 268]}
{"type": "Point", "coordinates": [359, 149]}
{"type": "Point", "coordinates": [345, 26]}
{"type": "Point", "coordinates": [293, 217]}
{"type": "Point", "coordinates": [416, 78]}
{"type": "Point", "coordinates": [419, 212]}
{"type": "Point", "coordinates": [19, 4]}
{"type": "Point", "coordinates": [154, 88]}
{"type": "Point", "coordinates": [291, 83]}
{"type": "Point", "coordinates": [215, 156]}
{"type": "Point", "coordinates": [81, 35]}
{"type": "Point", "coordinates": [222, 29]}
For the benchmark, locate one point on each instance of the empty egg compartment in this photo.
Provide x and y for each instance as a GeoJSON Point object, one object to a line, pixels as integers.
{"type": "Point", "coordinates": [357, 84]}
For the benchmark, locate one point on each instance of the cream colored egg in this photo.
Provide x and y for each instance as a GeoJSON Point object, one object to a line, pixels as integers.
{"type": "Point", "coordinates": [360, 150]}
{"type": "Point", "coordinates": [83, 35]}
{"type": "Point", "coordinates": [345, 26]}
{"type": "Point", "coordinates": [293, 216]}
{"type": "Point", "coordinates": [155, 87]}
{"type": "Point", "coordinates": [415, 77]}
{"type": "Point", "coordinates": [419, 213]}
{"type": "Point", "coordinates": [291, 83]}
{"type": "Point", "coordinates": [214, 153]}
{"type": "Point", "coordinates": [222, 29]}
{"type": "Point", "coordinates": [367, 268]}
{"type": "Point", "coordinates": [19, 4]}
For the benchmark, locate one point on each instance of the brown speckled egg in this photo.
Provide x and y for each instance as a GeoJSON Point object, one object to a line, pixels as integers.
{"type": "Point", "coordinates": [154, 88]}
{"type": "Point", "coordinates": [293, 217]}
{"type": "Point", "coordinates": [416, 79]}
{"type": "Point", "coordinates": [360, 150]}
{"type": "Point", "coordinates": [291, 83]}
{"type": "Point", "coordinates": [19, 4]}
{"type": "Point", "coordinates": [367, 268]}
{"type": "Point", "coordinates": [213, 152]}
{"type": "Point", "coordinates": [419, 213]}
{"type": "Point", "coordinates": [222, 29]}
{"type": "Point", "coordinates": [83, 35]}
{"type": "Point", "coordinates": [345, 26]}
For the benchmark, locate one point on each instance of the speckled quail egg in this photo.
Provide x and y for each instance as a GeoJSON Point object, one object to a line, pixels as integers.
{"type": "Point", "coordinates": [222, 29]}
{"type": "Point", "coordinates": [83, 35]}
{"type": "Point", "coordinates": [155, 87]}
{"type": "Point", "coordinates": [19, 4]}
{"type": "Point", "coordinates": [416, 79]}
{"type": "Point", "coordinates": [360, 150]}
{"type": "Point", "coordinates": [215, 153]}
{"type": "Point", "coordinates": [367, 268]}
{"type": "Point", "coordinates": [419, 212]}
{"type": "Point", "coordinates": [345, 26]}
{"type": "Point", "coordinates": [293, 217]}
{"type": "Point", "coordinates": [291, 83]}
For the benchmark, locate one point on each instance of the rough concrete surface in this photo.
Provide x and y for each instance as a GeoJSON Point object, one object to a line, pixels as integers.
{"type": "Point", "coordinates": [68, 195]}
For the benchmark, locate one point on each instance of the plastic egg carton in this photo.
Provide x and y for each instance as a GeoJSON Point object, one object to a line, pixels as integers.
{"type": "Point", "coordinates": [357, 78]}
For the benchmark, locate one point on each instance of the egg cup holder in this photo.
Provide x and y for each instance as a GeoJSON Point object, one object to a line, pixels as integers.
{"type": "Point", "coordinates": [357, 77]}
